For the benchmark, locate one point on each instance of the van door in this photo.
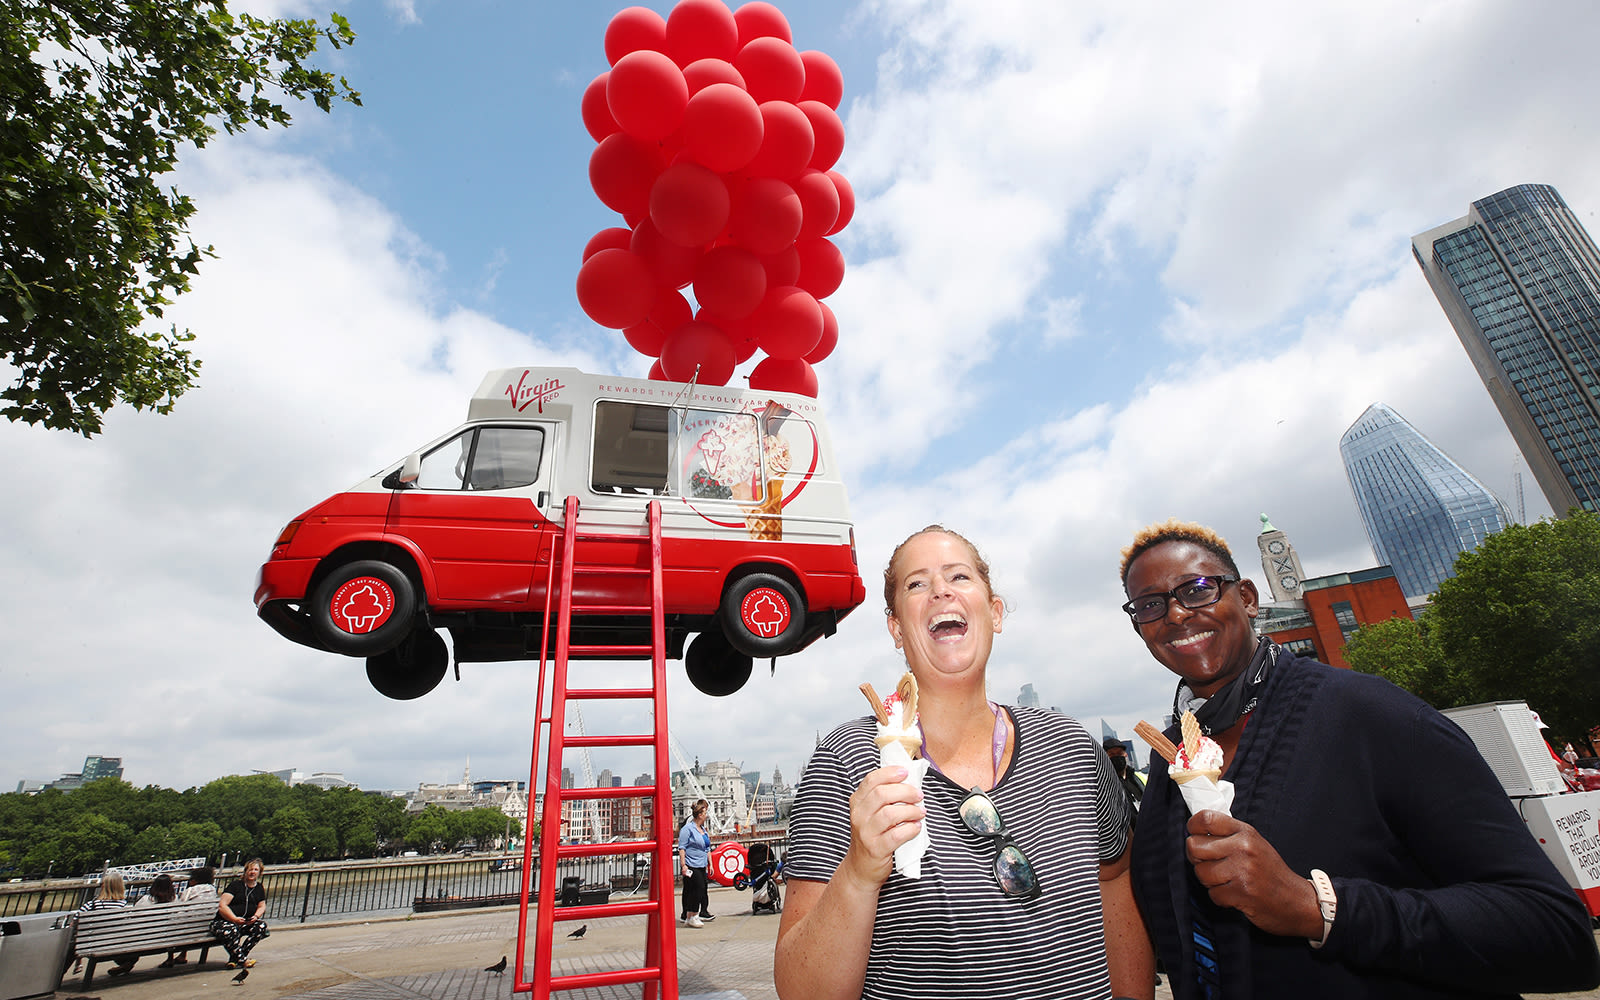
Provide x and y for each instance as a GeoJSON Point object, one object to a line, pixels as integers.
{"type": "Point", "coordinates": [474, 511]}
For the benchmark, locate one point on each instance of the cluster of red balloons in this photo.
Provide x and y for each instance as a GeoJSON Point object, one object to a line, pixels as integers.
{"type": "Point", "coordinates": [716, 144]}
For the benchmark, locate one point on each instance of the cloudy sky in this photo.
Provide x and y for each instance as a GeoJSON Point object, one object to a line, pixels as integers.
{"type": "Point", "coordinates": [1111, 263]}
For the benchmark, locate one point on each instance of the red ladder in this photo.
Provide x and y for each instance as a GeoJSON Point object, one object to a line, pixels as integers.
{"type": "Point", "coordinates": [660, 967]}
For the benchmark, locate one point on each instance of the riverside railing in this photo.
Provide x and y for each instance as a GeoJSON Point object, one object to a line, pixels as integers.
{"type": "Point", "coordinates": [387, 887]}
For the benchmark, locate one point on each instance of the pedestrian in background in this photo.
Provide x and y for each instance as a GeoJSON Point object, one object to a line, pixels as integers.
{"type": "Point", "coordinates": [1117, 751]}
{"type": "Point", "coordinates": [694, 845]}
{"type": "Point", "coordinates": [241, 920]}
{"type": "Point", "coordinates": [200, 887]}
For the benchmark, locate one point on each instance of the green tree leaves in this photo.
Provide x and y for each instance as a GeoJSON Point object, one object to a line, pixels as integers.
{"type": "Point", "coordinates": [99, 98]}
{"type": "Point", "coordinates": [1520, 620]}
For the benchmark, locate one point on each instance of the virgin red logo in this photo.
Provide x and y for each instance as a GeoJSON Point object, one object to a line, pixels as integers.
{"type": "Point", "coordinates": [524, 395]}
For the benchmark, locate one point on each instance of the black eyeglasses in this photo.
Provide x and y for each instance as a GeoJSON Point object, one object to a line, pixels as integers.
{"type": "Point", "coordinates": [1011, 867]}
{"type": "Point", "coordinates": [1201, 592]}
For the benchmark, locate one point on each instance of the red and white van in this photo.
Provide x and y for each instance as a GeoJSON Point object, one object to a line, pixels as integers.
{"type": "Point", "coordinates": [757, 546]}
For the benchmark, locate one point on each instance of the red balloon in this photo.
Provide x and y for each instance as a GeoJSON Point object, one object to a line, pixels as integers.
{"type": "Point", "coordinates": [656, 373]}
{"type": "Point", "coordinates": [756, 19]}
{"type": "Point", "coordinates": [780, 375]}
{"type": "Point", "coordinates": [819, 200]}
{"type": "Point", "coordinates": [821, 267]}
{"type": "Point", "coordinates": [646, 338]}
{"type": "Point", "coordinates": [772, 69]}
{"type": "Point", "coordinates": [729, 281]}
{"type": "Point", "coordinates": [646, 93]}
{"type": "Point", "coordinates": [633, 29]}
{"type": "Point", "coordinates": [671, 265]}
{"type": "Point", "coordinates": [702, 73]}
{"type": "Point", "coordinates": [722, 127]}
{"type": "Point", "coordinates": [783, 267]}
{"type": "Point", "coordinates": [701, 29]}
{"type": "Point", "coordinates": [786, 143]}
{"type": "Point", "coordinates": [788, 322]}
{"type": "Point", "coordinates": [824, 82]}
{"type": "Point", "coordinates": [829, 133]}
{"type": "Point", "coordinates": [689, 204]}
{"type": "Point", "coordinates": [830, 336]}
{"type": "Point", "coordinates": [738, 332]}
{"type": "Point", "coordinates": [621, 171]}
{"type": "Point", "coordinates": [766, 215]}
{"type": "Point", "coordinates": [596, 115]}
{"type": "Point", "coordinates": [615, 238]}
{"type": "Point", "coordinates": [700, 344]}
{"type": "Point", "coordinates": [847, 202]}
{"type": "Point", "coordinates": [615, 288]}
{"type": "Point", "coordinates": [670, 311]}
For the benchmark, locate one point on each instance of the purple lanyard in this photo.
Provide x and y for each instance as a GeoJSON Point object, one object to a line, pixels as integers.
{"type": "Point", "coordinates": [999, 744]}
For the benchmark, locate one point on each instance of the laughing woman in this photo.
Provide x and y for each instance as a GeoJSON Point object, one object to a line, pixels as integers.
{"type": "Point", "coordinates": [1048, 926]}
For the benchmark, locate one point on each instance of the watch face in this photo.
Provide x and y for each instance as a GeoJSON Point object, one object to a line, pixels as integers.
{"type": "Point", "coordinates": [1289, 581]}
{"type": "Point", "coordinates": [1275, 546]}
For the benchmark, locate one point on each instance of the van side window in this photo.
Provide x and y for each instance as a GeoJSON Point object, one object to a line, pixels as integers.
{"type": "Point", "coordinates": [630, 448]}
{"type": "Point", "coordinates": [484, 458]}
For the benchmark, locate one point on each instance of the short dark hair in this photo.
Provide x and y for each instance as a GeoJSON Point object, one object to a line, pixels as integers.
{"type": "Point", "coordinates": [1174, 530]}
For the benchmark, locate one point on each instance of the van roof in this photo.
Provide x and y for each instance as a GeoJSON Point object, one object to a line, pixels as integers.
{"type": "Point", "coordinates": [553, 392]}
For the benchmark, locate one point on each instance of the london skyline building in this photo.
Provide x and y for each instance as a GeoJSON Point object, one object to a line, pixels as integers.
{"type": "Point", "coordinates": [1421, 510]}
{"type": "Point", "coordinates": [1519, 279]}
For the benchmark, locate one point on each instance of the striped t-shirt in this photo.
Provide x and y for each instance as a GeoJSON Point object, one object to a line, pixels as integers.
{"type": "Point", "coordinates": [953, 933]}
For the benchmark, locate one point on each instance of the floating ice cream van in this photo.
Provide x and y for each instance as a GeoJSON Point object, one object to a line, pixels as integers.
{"type": "Point", "coordinates": [758, 552]}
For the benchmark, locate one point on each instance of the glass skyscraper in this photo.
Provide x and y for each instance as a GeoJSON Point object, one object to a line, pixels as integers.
{"type": "Point", "coordinates": [1520, 280]}
{"type": "Point", "coordinates": [1421, 509]}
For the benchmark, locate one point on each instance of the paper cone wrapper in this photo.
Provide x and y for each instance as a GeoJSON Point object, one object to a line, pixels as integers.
{"type": "Point", "coordinates": [1204, 790]}
{"type": "Point", "coordinates": [765, 520]}
{"type": "Point", "coordinates": [908, 856]}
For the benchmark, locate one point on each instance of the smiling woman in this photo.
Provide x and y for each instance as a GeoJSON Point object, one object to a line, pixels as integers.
{"type": "Point", "coordinates": [1004, 784]}
{"type": "Point", "coordinates": [1365, 881]}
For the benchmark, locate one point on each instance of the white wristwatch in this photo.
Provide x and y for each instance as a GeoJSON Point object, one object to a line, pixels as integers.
{"type": "Point", "coordinates": [1327, 902]}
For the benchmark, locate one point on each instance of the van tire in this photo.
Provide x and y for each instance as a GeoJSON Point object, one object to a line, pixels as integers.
{"type": "Point", "coordinates": [763, 615]}
{"type": "Point", "coordinates": [714, 666]}
{"type": "Point", "coordinates": [411, 669]}
{"type": "Point", "coordinates": [361, 586]}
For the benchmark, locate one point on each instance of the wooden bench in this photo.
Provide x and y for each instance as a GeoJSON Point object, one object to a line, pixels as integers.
{"type": "Point", "coordinates": [143, 930]}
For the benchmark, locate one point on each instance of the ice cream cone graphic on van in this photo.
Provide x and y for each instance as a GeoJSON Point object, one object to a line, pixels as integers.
{"type": "Point", "coordinates": [765, 518]}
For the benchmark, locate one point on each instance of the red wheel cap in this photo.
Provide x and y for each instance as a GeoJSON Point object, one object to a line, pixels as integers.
{"type": "Point", "coordinates": [764, 612]}
{"type": "Point", "coordinates": [362, 605]}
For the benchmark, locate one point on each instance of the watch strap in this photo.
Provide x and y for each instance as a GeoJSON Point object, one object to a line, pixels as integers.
{"type": "Point", "coordinates": [1327, 902]}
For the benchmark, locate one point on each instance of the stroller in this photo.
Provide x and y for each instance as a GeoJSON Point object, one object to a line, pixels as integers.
{"type": "Point", "coordinates": [762, 876]}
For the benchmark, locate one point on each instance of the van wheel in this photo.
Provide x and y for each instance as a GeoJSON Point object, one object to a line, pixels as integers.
{"type": "Point", "coordinates": [411, 669]}
{"type": "Point", "coordinates": [362, 608]}
{"type": "Point", "coordinates": [714, 666]}
{"type": "Point", "coordinates": [763, 615]}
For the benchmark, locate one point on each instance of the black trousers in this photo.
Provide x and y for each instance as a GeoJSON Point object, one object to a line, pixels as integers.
{"type": "Point", "coordinates": [696, 894]}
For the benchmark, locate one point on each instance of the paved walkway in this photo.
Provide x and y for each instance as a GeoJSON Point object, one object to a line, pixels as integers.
{"type": "Point", "coordinates": [443, 957]}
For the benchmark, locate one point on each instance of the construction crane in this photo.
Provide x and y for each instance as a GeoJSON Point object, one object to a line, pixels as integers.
{"type": "Point", "coordinates": [591, 805]}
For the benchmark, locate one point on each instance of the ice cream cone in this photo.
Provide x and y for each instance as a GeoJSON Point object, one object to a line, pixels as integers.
{"type": "Point", "coordinates": [1184, 776]}
{"type": "Point", "coordinates": [911, 744]}
{"type": "Point", "coordinates": [765, 520]}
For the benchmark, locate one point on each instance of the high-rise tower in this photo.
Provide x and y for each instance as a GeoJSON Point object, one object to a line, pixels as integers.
{"type": "Point", "coordinates": [1520, 280]}
{"type": "Point", "coordinates": [1421, 509]}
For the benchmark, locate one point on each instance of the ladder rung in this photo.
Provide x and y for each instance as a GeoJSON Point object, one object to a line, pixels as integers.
{"type": "Point", "coordinates": [610, 609]}
{"type": "Point", "coordinates": [609, 649]}
{"type": "Point", "coordinates": [604, 850]}
{"type": "Point", "coordinates": [601, 792]}
{"type": "Point", "coordinates": [614, 977]}
{"type": "Point", "coordinates": [624, 740]}
{"type": "Point", "coordinates": [610, 693]}
{"type": "Point", "coordinates": [598, 910]}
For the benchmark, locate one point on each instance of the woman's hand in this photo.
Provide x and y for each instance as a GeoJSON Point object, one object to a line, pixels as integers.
{"type": "Point", "coordinates": [1244, 872]}
{"type": "Point", "coordinates": [885, 812]}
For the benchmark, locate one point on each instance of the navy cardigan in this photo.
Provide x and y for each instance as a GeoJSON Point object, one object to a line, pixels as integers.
{"type": "Point", "coordinates": [1442, 890]}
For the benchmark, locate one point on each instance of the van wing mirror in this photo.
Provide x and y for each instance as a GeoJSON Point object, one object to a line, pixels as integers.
{"type": "Point", "coordinates": [410, 470]}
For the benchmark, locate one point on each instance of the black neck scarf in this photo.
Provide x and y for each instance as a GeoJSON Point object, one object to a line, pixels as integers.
{"type": "Point", "coordinates": [1237, 698]}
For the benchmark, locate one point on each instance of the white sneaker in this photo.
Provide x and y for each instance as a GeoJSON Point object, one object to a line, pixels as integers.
{"type": "Point", "coordinates": [695, 921]}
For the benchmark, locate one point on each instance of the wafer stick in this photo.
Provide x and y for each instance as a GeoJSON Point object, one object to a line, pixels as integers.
{"type": "Point", "coordinates": [1158, 741]}
{"type": "Point", "coordinates": [877, 704]}
{"type": "Point", "coordinates": [1191, 735]}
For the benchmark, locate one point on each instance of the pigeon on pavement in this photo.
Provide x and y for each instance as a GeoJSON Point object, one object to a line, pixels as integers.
{"type": "Point", "coordinates": [580, 932]}
{"type": "Point", "coordinates": [242, 976]}
{"type": "Point", "coordinates": [498, 968]}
